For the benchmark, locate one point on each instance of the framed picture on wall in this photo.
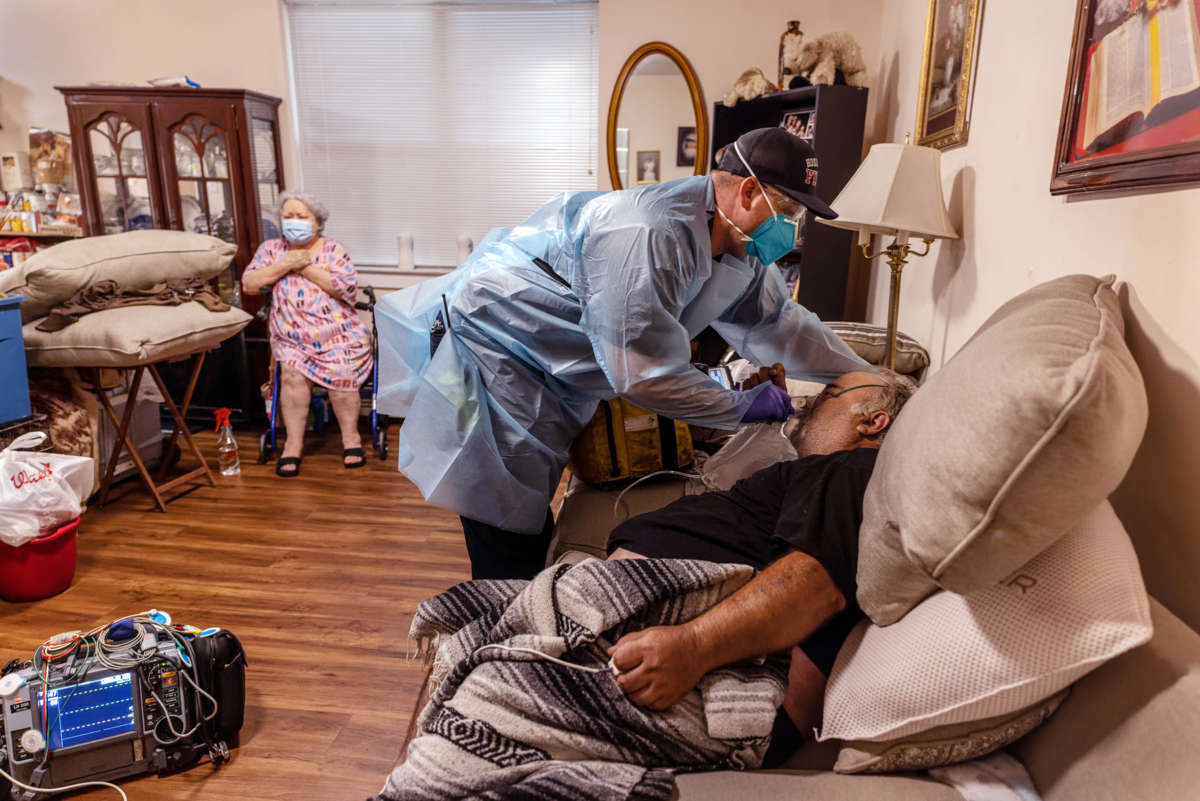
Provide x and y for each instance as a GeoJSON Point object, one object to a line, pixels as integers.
{"type": "Point", "coordinates": [1131, 108]}
{"type": "Point", "coordinates": [947, 68]}
{"type": "Point", "coordinates": [648, 163]}
{"type": "Point", "coordinates": [685, 147]}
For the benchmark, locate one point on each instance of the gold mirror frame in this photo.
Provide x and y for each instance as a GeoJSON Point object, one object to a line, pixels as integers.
{"type": "Point", "coordinates": [698, 108]}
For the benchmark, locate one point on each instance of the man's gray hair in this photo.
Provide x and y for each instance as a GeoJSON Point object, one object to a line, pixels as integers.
{"type": "Point", "coordinates": [315, 206]}
{"type": "Point", "coordinates": [889, 398]}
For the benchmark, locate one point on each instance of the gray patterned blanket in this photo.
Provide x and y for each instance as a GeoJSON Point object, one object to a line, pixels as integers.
{"type": "Point", "coordinates": [507, 721]}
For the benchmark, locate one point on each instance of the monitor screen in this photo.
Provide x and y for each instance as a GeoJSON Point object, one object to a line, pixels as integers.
{"type": "Point", "coordinates": [89, 711]}
{"type": "Point", "coordinates": [721, 376]}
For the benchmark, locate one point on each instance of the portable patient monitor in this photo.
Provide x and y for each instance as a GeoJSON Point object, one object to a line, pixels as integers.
{"type": "Point", "coordinates": [136, 696]}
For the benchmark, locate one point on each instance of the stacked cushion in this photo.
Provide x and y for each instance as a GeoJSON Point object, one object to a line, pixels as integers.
{"type": "Point", "coordinates": [1033, 423]}
{"type": "Point", "coordinates": [136, 259]}
{"type": "Point", "coordinates": [132, 335]}
{"type": "Point", "coordinates": [995, 654]}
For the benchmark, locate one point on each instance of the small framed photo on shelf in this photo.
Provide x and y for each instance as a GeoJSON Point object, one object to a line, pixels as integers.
{"type": "Point", "coordinates": [800, 123]}
{"type": "Point", "coordinates": [685, 147]}
{"type": "Point", "coordinates": [648, 164]}
{"type": "Point", "coordinates": [1131, 108]}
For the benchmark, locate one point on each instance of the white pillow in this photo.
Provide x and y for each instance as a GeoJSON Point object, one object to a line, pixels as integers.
{"type": "Point", "coordinates": [957, 658]}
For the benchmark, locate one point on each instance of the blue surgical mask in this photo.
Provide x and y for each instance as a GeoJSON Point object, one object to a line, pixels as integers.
{"type": "Point", "coordinates": [777, 236]}
{"type": "Point", "coordinates": [297, 231]}
{"type": "Point", "coordinates": [773, 240]}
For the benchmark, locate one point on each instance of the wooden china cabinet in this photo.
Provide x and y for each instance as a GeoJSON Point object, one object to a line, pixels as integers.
{"type": "Point", "coordinates": [201, 160]}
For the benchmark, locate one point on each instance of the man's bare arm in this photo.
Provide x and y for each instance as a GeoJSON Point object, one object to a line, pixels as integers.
{"type": "Point", "coordinates": [781, 606]}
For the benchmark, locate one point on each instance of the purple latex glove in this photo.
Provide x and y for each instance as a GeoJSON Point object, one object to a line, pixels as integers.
{"type": "Point", "coordinates": [772, 404]}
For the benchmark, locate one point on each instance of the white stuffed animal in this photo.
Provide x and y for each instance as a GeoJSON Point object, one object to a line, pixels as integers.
{"type": "Point", "coordinates": [819, 60]}
{"type": "Point", "coordinates": [752, 84]}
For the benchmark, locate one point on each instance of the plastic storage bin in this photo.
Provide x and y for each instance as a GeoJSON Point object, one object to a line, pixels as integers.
{"type": "Point", "coordinates": [39, 568]}
{"type": "Point", "coordinates": [14, 400]}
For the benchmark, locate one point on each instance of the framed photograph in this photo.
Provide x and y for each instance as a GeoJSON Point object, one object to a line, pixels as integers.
{"type": "Point", "coordinates": [800, 123]}
{"type": "Point", "coordinates": [1131, 108]}
{"type": "Point", "coordinates": [685, 147]}
{"type": "Point", "coordinates": [947, 67]}
{"type": "Point", "coordinates": [648, 166]}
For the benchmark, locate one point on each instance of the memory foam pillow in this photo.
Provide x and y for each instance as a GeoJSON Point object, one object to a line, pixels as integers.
{"type": "Point", "coordinates": [956, 658]}
{"type": "Point", "coordinates": [135, 259]}
{"type": "Point", "coordinates": [945, 745]}
{"type": "Point", "coordinates": [1031, 424]}
{"type": "Point", "coordinates": [131, 335]}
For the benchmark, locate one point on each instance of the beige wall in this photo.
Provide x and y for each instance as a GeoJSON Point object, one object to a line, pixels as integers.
{"type": "Point", "coordinates": [1016, 235]}
{"type": "Point", "coordinates": [218, 43]}
{"type": "Point", "coordinates": [721, 41]}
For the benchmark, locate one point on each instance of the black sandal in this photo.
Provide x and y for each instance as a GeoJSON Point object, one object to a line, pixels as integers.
{"type": "Point", "coordinates": [359, 452]}
{"type": "Point", "coordinates": [287, 461]}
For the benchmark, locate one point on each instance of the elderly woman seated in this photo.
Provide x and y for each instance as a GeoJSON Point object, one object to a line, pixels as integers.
{"type": "Point", "coordinates": [316, 335]}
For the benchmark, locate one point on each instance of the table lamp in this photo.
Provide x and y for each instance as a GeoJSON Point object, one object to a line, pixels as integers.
{"type": "Point", "coordinates": [896, 191]}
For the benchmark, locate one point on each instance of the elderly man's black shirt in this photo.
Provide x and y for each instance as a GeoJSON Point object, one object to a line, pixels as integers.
{"type": "Point", "coordinates": [812, 505]}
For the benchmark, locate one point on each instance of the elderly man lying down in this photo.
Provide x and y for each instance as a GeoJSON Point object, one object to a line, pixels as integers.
{"type": "Point", "coordinates": [797, 522]}
{"type": "Point", "coordinates": [603, 679]}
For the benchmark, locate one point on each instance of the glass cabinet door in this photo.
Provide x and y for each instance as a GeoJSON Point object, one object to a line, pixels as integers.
{"type": "Point", "coordinates": [202, 165]}
{"type": "Point", "coordinates": [266, 175]}
{"type": "Point", "coordinates": [122, 182]}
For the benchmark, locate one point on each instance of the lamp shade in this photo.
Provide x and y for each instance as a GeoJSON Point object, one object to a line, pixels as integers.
{"type": "Point", "coordinates": [896, 190]}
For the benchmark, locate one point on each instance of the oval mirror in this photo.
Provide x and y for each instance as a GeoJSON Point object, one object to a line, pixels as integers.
{"type": "Point", "coordinates": [657, 122]}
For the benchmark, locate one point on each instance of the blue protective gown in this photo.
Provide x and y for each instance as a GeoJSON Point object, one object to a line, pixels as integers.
{"type": "Point", "coordinates": [490, 419]}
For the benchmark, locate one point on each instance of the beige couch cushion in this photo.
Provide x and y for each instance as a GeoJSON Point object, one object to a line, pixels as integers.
{"type": "Point", "coordinates": [135, 259]}
{"type": "Point", "coordinates": [956, 658]}
{"type": "Point", "coordinates": [131, 335]}
{"type": "Point", "coordinates": [765, 785]}
{"type": "Point", "coordinates": [587, 515]}
{"type": "Point", "coordinates": [1130, 729]}
{"type": "Point", "coordinates": [1004, 449]}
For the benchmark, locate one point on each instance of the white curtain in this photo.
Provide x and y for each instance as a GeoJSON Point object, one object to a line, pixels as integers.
{"type": "Point", "coordinates": [441, 120]}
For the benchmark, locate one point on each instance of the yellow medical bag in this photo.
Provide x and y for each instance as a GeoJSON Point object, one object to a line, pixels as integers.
{"type": "Point", "coordinates": [623, 441]}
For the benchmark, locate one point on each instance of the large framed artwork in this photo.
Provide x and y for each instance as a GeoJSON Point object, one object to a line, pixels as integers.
{"type": "Point", "coordinates": [1131, 107]}
{"type": "Point", "coordinates": [947, 67]}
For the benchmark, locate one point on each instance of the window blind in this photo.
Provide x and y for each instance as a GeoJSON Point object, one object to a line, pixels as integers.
{"type": "Point", "coordinates": [441, 120]}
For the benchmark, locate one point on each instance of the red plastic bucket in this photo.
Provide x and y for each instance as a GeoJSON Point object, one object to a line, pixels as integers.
{"type": "Point", "coordinates": [39, 568]}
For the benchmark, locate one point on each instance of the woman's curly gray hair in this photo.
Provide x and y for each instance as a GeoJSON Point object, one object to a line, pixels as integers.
{"type": "Point", "coordinates": [315, 206]}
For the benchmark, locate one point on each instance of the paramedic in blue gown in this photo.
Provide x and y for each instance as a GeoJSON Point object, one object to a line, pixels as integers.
{"type": "Point", "coordinates": [497, 366]}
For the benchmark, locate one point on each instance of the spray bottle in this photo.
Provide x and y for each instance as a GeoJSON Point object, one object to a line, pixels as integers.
{"type": "Point", "coordinates": [227, 447]}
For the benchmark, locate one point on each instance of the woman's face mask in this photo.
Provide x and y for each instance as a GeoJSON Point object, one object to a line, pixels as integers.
{"type": "Point", "coordinates": [297, 231]}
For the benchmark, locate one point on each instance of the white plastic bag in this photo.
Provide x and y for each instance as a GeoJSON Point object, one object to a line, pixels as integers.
{"type": "Point", "coordinates": [39, 491]}
{"type": "Point", "coordinates": [752, 448]}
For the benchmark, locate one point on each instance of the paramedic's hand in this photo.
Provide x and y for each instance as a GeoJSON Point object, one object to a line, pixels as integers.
{"type": "Point", "coordinates": [658, 665]}
{"type": "Point", "coordinates": [775, 374]}
{"type": "Point", "coordinates": [771, 404]}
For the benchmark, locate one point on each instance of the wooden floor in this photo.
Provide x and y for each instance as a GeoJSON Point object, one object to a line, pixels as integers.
{"type": "Point", "coordinates": [318, 576]}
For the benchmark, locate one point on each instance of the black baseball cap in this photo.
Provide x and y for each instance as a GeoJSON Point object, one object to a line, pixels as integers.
{"type": "Point", "coordinates": [783, 160]}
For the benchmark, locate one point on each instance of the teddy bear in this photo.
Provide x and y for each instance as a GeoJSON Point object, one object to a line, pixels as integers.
{"type": "Point", "coordinates": [818, 60]}
{"type": "Point", "coordinates": [752, 84]}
